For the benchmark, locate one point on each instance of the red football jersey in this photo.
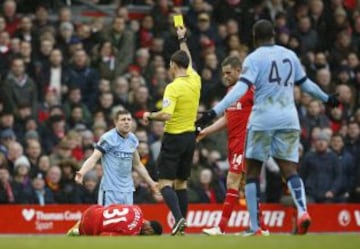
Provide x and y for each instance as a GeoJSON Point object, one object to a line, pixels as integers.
{"type": "Point", "coordinates": [115, 219]}
{"type": "Point", "coordinates": [237, 115]}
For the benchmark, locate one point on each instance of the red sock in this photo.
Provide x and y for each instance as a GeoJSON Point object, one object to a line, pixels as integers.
{"type": "Point", "coordinates": [232, 196]}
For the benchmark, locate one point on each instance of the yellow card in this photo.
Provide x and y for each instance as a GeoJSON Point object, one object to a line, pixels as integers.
{"type": "Point", "coordinates": [178, 21]}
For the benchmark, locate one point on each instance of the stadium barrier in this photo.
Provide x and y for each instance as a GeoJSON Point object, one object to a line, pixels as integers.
{"type": "Point", "coordinates": [57, 219]}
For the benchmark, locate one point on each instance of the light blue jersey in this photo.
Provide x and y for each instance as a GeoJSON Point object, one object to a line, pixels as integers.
{"type": "Point", "coordinates": [274, 80]}
{"type": "Point", "coordinates": [117, 160]}
{"type": "Point", "coordinates": [274, 70]}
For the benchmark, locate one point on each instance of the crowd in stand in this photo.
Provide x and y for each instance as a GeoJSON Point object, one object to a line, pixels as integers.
{"type": "Point", "coordinates": [61, 80]}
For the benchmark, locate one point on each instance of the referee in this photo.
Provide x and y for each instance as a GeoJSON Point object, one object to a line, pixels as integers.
{"type": "Point", "coordinates": [179, 110]}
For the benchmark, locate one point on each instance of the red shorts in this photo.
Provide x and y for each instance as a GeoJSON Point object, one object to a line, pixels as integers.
{"type": "Point", "coordinates": [236, 155]}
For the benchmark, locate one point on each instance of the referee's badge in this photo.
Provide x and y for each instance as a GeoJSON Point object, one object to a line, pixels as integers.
{"type": "Point", "coordinates": [166, 102]}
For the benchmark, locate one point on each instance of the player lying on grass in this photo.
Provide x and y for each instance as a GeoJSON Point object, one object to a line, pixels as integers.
{"type": "Point", "coordinates": [114, 220]}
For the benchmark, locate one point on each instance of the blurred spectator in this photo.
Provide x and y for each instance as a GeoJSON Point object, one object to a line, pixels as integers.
{"type": "Point", "coordinates": [74, 98]}
{"type": "Point", "coordinates": [7, 137]}
{"type": "Point", "coordinates": [352, 141]}
{"type": "Point", "coordinates": [196, 168]}
{"type": "Point", "coordinates": [5, 53]}
{"type": "Point", "coordinates": [54, 75]}
{"type": "Point", "coordinates": [85, 77]}
{"type": "Point", "coordinates": [27, 55]}
{"type": "Point", "coordinates": [43, 164]}
{"type": "Point", "coordinates": [54, 131]}
{"type": "Point", "coordinates": [347, 164]}
{"type": "Point", "coordinates": [15, 151]}
{"type": "Point", "coordinates": [341, 49]}
{"type": "Point", "coordinates": [120, 88]}
{"type": "Point", "coordinates": [52, 180]}
{"type": "Point", "coordinates": [40, 193]}
{"type": "Point", "coordinates": [90, 188]}
{"type": "Point", "coordinates": [322, 166]}
{"type": "Point", "coordinates": [346, 97]}
{"type": "Point", "coordinates": [318, 20]}
{"type": "Point", "coordinates": [157, 132]}
{"type": "Point", "coordinates": [33, 152]}
{"type": "Point", "coordinates": [160, 12]}
{"type": "Point", "coordinates": [25, 30]}
{"type": "Point", "coordinates": [142, 192]}
{"type": "Point", "coordinates": [11, 192]}
{"type": "Point", "coordinates": [105, 60]}
{"type": "Point", "coordinates": [147, 160]}
{"type": "Point", "coordinates": [70, 189]}
{"type": "Point", "coordinates": [314, 117]}
{"type": "Point", "coordinates": [323, 78]}
{"type": "Point", "coordinates": [62, 152]}
{"type": "Point", "coordinates": [7, 119]}
{"type": "Point", "coordinates": [42, 59]}
{"type": "Point", "coordinates": [9, 12]}
{"type": "Point", "coordinates": [196, 7]}
{"type": "Point", "coordinates": [356, 33]}
{"type": "Point", "coordinates": [123, 40]}
{"type": "Point", "coordinates": [307, 35]}
{"type": "Point", "coordinates": [76, 116]}
{"type": "Point", "coordinates": [204, 35]}
{"type": "Point", "coordinates": [41, 21]}
{"type": "Point", "coordinates": [146, 32]}
{"type": "Point", "coordinates": [24, 112]}
{"type": "Point", "coordinates": [19, 87]}
{"type": "Point", "coordinates": [336, 117]}
{"type": "Point", "coordinates": [22, 172]}
{"type": "Point", "coordinates": [208, 190]}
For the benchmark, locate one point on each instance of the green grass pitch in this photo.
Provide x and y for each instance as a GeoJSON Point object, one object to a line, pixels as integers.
{"type": "Point", "coordinates": [274, 241]}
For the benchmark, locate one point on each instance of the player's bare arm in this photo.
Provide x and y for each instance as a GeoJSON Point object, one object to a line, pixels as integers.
{"type": "Point", "coordinates": [141, 169]}
{"type": "Point", "coordinates": [219, 125]}
{"type": "Point", "coordinates": [88, 165]}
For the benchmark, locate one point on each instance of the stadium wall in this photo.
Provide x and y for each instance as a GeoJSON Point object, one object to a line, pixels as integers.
{"type": "Point", "coordinates": [57, 219]}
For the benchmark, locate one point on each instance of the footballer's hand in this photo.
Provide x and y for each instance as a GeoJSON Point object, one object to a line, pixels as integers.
{"type": "Point", "coordinates": [201, 135]}
{"type": "Point", "coordinates": [206, 118]}
{"type": "Point", "coordinates": [79, 177]}
{"type": "Point", "coordinates": [155, 188]}
{"type": "Point", "coordinates": [333, 100]}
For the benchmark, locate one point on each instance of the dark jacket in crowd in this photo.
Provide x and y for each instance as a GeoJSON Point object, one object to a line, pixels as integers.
{"type": "Point", "coordinates": [17, 191]}
{"type": "Point", "coordinates": [48, 197]}
{"type": "Point", "coordinates": [88, 80]}
{"type": "Point", "coordinates": [15, 94]}
{"type": "Point", "coordinates": [321, 173]}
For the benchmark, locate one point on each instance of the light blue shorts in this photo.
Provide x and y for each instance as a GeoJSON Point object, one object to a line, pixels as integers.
{"type": "Point", "coordinates": [281, 144]}
{"type": "Point", "coordinates": [109, 197]}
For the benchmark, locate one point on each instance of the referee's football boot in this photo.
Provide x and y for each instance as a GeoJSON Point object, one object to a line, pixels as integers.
{"type": "Point", "coordinates": [178, 227]}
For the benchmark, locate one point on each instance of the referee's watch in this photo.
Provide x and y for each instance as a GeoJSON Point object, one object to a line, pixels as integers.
{"type": "Point", "coordinates": [150, 117]}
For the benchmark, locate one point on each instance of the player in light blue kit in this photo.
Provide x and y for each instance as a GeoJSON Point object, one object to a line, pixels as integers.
{"type": "Point", "coordinates": [273, 127]}
{"type": "Point", "coordinates": [117, 149]}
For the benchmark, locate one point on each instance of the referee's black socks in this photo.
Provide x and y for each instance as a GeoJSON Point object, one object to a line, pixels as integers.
{"type": "Point", "coordinates": [183, 200]}
{"type": "Point", "coordinates": [172, 201]}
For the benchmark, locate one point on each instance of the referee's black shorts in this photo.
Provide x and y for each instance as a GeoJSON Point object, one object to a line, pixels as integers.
{"type": "Point", "coordinates": [176, 155]}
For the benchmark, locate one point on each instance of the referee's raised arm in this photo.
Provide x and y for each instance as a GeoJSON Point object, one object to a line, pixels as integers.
{"type": "Point", "coordinates": [181, 32]}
